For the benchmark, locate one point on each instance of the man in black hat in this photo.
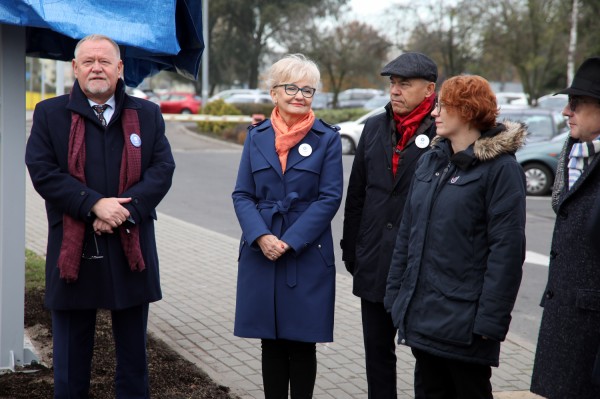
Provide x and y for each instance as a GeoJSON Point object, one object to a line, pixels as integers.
{"type": "Point", "coordinates": [567, 360]}
{"type": "Point", "coordinates": [384, 163]}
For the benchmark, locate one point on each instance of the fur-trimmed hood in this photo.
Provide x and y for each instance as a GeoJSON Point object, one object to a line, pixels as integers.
{"type": "Point", "coordinates": [504, 138]}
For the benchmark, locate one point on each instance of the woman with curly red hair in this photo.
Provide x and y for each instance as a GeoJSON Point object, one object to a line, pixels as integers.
{"type": "Point", "coordinates": [457, 263]}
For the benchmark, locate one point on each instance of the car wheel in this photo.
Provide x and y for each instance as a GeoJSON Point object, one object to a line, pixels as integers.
{"type": "Point", "coordinates": [539, 179]}
{"type": "Point", "coordinates": [348, 146]}
{"type": "Point", "coordinates": [186, 111]}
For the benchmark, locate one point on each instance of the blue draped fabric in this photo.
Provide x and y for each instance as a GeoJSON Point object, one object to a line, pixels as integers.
{"type": "Point", "coordinates": [154, 35]}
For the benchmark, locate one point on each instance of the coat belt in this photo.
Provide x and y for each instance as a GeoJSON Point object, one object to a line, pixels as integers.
{"type": "Point", "coordinates": [276, 217]}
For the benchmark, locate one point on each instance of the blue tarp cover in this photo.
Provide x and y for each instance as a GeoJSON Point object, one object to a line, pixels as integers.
{"type": "Point", "coordinates": [154, 34]}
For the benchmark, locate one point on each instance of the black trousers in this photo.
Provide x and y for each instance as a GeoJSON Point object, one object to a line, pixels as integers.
{"type": "Point", "coordinates": [288, 363]}
{"type": "Point", "coordinates": [380, 350]}
{"type": "Point", "coordinates": [453, 379]}
{"type": "Point", "coordinates": [379, 336]}
{"type": "Point", "coordinates": [73, 346]}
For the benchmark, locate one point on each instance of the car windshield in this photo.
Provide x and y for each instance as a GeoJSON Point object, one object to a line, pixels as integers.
{"type": "Point", "coordinates": [540, 126]}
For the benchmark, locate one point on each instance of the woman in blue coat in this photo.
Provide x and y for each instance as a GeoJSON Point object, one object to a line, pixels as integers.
{"type": "Point", "coordinates": [457, 264]}
{"type": "Point", "coordinates": [288, 189]}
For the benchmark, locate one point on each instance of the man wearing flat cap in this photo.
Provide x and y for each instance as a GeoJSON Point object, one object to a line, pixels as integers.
{"type": "Point", "coordinates": [567, 360]}
{"type": "Point", "coordinates": [384, 164]}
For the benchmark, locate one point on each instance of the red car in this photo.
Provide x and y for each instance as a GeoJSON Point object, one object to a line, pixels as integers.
{"type": "Point", "coordinates": [180, 103]}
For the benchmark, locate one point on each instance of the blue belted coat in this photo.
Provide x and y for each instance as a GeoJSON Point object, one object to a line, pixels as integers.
{"type": "Point", "coordinates": [291, 298]}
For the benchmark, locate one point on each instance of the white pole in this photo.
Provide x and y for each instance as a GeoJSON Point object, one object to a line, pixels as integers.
{"type": "Point", "coordinates": [572, 43]}
{"type": "Point", "coordinates": [12, 197]}
{"type": "Point", "coordinates": [205, 84]}
{"type": "Point", "coordinates": [60, 78]}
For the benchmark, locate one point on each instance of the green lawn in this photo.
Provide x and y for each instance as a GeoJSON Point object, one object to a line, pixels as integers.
{"type": "Point", "coordinates": [34, 270]}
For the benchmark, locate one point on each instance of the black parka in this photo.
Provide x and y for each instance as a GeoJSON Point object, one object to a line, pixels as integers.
{"type": "Point", "coordinates": [375, 200]}
{"type": "Point", "coordinates": [457, 264]}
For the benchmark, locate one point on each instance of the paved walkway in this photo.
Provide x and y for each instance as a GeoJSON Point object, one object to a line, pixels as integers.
{"type": "Point", "coordinates": [198, 275]}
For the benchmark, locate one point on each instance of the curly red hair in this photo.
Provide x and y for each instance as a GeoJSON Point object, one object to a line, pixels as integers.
{"type": "Point", "coordinates": [472, 99]}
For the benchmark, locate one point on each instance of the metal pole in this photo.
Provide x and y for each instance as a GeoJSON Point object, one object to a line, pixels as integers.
{"type": "Point", "coordinates": [60, 78]}
{"type": "Point", "coordinates": [205, 83]}
{"type": "Point", "coordinates": [572, 43]}
{"type": "Point", "coordinates": [12, 197]}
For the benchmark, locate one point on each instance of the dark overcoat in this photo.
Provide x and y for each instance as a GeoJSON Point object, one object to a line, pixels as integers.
{"type": "Point", "coordinates": [375, 200]}
{"type": "Point", "coordinates": [457, 264]}
{"type": "Point", "coordinates": [567, 360]}
{"type": "Point", "coordinates": [108, 282]}
{"type": "Point", "coordinates": [292, 298]}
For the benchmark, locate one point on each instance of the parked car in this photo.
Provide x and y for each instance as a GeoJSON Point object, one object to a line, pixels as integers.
{"type": "Point", "coordinates": [539, 161]}
{"type": "Point", "coordinates": [376, 102]}
{"type": "Point", "coordinates": [322, 100]}
{"type": "Point", "coordinates": [225, 94]}
{"type": "Point", "coordinates": [555, 102]}
{"type": "Point", "coordinates": [356, 98]}
{"type": "Point", "coordinates": [507, 99]}
{"type": "Point", "coordinates": [180, 103]}
{"type": "Point", "coordinates": [135, 92]}
{"type": "Point", "coordinates": [542, 124]}
{"type": "Point", "coordinates": [351, 131]}
{"type": "Point", "coordinates": [255, 98]}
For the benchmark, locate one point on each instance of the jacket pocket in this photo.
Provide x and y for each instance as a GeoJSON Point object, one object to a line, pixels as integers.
{"type": "Point", "coordinates": [588, 300]}
{"type": "Point", "coordinates": [445, 317]}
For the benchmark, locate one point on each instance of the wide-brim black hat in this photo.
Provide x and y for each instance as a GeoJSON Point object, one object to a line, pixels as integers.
{"type": "Point", "coordinates": [412, 65]}
{"type": "Point", "coordinates": [586, 81]}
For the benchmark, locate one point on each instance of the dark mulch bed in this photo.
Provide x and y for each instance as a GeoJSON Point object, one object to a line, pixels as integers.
{"type": "Point", "coordinates": [171, 376]}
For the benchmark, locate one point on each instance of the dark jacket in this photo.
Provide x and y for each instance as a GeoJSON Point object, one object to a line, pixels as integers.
{"type": "Point", "coordinates": [567, 360]}
{"type": "Point", "coordinates": [292, 298]}
{"type": "Point", "coordinates": [107, 282]}
{"type": "Point", "coordinates": [375, 200]}
{"type": "Point", "coordinates": [457, 264]}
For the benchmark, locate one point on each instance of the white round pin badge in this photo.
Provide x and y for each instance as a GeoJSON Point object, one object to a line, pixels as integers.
{"type": "Point", "coordinates": [135, 140]}
{"type": "Point", "coordinates": [305, 149]}
{"type": "Point", "coordinates": [422, 141]}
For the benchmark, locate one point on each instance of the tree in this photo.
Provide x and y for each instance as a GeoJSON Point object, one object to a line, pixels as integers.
{"type": "Point", "coordinates": [532, 36]}
{"type": "Point", "coordinates": [346, 54]}
{"type": "Point", "coordinates": [447, 34]}
{"type": "Point", "coordinates": [243, 30]}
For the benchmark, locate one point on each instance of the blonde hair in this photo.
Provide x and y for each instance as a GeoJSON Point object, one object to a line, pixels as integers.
{"type": "Point", "coordinates": [97, 37]}
{"type": "Point", "coordinates": [293, 68]}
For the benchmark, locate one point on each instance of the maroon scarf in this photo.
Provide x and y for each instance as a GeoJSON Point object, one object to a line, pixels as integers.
{"type": "Point", "coordinates": [407, 126]}
{"type": "Point", "coordinates": [74, 230]}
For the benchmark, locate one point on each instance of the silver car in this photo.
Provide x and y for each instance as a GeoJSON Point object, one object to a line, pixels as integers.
{"type": "Point", "coordinates": [351, 131]}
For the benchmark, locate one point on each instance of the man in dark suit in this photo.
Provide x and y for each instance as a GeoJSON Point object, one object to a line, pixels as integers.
{"type": "Point", "coordinates": [567, 359]}
{"type": "Point", "coordinates": [384, 164]}
{"type": "Point", "coordinates": [102, 163]}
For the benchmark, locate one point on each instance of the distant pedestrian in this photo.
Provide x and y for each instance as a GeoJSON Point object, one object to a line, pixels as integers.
{"type": "Point", "coordinates": [101, 161]}
{"type": "Point", "coordinates": [457, 263]}
{"type": "Point", "coordinates": [384, 164]}
{"type": "Point", "coordinates": [288, 189]}
{"type": "Point", "coordinates": [567, 360]}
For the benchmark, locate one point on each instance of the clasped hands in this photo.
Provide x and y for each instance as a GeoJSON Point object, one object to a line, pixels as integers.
{"type": "Point", "coordinates": [110, 214]}
{"type": "Point", "coordinates": [272, 247]}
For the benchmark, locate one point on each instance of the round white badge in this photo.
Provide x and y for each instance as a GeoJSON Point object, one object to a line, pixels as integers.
{"type": "Point", "coordinates": [135, 140]}
{"type": "Point", "coordinates": [305, 149]}
{"type": "Point", "coordinates": [422, 141]}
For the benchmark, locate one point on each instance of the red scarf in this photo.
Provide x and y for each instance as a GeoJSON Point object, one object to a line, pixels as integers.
{"type": "Point", "coordinates": [407, 126]}
{"type": "Point", "coordinates": [74, 230]}
{"type": "Point", "coordinates": [286, 136]}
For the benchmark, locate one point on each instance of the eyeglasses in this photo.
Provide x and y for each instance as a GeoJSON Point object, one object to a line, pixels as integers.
{"type": "Point", "coordinates": [438, 106]}
{"type": "Point", "coordinates": [292, 89]}
{"type": "Point", "coordinates": [84, 254]}
{"type": "Point", "coordinates": [574, 102]}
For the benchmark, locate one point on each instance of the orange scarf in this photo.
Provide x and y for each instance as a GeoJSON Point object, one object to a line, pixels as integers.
{"type": "Point", "coordinates": [286, 136]}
